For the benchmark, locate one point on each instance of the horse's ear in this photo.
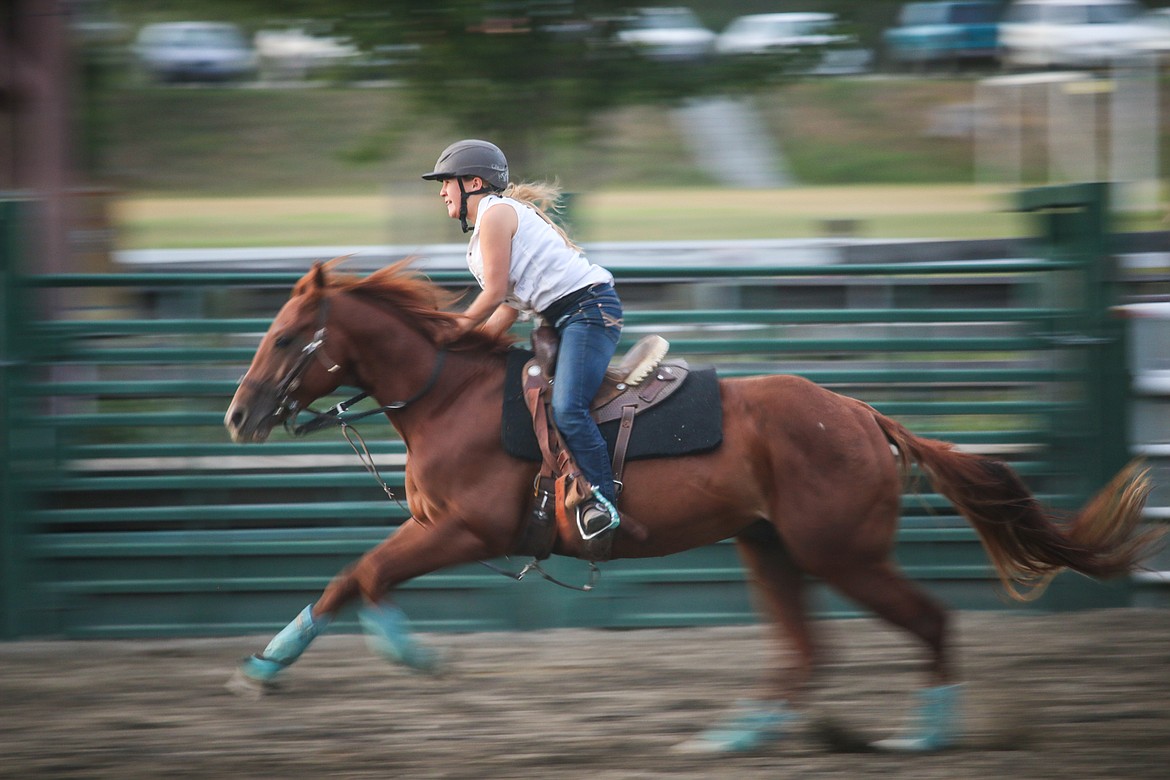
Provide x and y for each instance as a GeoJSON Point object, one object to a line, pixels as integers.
{"type": "Point", "coordinates": [318, 275]}
{"type": "Point", "coordinates": [313, 282]}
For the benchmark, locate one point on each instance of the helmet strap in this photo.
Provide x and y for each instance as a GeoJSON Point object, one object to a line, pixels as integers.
{"type": "Point", "coordinates": [464, 194]}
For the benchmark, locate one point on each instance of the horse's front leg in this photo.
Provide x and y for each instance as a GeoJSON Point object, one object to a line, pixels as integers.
{"type": "Point", "coordinates": [413, 550]}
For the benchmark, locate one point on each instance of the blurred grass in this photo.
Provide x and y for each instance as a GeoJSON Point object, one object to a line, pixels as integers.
{"type": "Point", "coordinates": [339, 165]}
{"type": "Point", "coordinates": [908, 211]}
{"type": "Point", "coordinates": [945, 211]}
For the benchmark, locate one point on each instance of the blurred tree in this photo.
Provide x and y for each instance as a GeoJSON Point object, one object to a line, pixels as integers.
{"type": "Point", "coordinates": [523, 69]}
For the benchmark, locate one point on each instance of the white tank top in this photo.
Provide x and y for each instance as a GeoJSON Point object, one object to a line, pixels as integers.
{"type": "Point", "coordinates": [543, 268]}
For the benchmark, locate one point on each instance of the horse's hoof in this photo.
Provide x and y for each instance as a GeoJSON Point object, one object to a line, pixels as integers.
{"type": "Point", "coordinates": [935, 723]}
{"type": "Point", "coordinates": [423, 660]}
{"type": "Point", "coordinates": [839, 739]}
{"type": "Point", "coordinates": [754, 725]}
{"type": "Point", "coordinates": [247, 687]}
{"type": "Point", "coordinates": [911, 745]}
{"type": "Point", "coordinates": [388, 635]}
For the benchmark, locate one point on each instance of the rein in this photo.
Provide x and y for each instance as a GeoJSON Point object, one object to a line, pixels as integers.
{"type": "Point", "coordinates": [340, 414]}
{"type": "Point", "coordinates": [534, 565]}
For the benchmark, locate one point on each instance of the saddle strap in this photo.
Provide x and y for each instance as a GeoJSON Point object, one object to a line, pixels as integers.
{"type": "Point", "coordinates": [622, 442]}
{"type": "Point", "coordinates": [556, 459]}
{"type": "Point", "coordinates": [569, 485]}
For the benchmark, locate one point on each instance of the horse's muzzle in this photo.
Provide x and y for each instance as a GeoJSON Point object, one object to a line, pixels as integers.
{"type": "Point", "coordinates": [245, 428]}
{"type": "Point", "coordinates": [250, 421]}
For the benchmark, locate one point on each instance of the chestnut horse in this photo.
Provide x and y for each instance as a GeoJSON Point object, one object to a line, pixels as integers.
{"type": "Point", "coordinates": [807, 482]}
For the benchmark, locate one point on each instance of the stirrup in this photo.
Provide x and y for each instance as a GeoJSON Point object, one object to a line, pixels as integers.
{"type": "Point", "coordinates": [614, 518]}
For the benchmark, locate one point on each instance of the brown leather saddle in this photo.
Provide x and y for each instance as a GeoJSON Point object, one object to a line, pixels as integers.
{"type": "Point", "coordinates": [640, 381]}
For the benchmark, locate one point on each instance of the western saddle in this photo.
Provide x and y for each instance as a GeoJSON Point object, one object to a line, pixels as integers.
{"type": "Point", "coordinates": [641, 380]}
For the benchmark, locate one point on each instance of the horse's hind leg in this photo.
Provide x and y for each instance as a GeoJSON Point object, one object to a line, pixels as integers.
{"type": "Point", "coordinates": [778, 585]}
{"type": "Point", "coordinates": [893, 597]}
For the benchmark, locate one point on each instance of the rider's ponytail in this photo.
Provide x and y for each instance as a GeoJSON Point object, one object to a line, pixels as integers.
{"type": "Point", "coordinates": [543, 197]}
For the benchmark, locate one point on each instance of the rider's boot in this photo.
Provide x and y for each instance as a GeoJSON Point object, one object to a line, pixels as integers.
{"type": "Point", "coordinates": [596, 516]}
{"type": "Point", "coordinates": [285, 647]}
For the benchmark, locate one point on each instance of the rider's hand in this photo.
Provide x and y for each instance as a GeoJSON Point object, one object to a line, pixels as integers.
{"type": "Point", "coordinates": [461, 326]}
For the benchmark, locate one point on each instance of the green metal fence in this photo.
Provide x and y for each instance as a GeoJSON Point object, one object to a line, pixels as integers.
{"type": "Point", "coordinates": [14, 580]}
{"type": "Point", "coordinates": [127, 512]}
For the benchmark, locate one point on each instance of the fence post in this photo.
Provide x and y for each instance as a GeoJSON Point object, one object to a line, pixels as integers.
{"type": "Point", "coordinates": [1073, 222]}
{"type": "Point", "coordinates": [1073, 225]}
{"type": "Point", "coordinates": [12, 548]}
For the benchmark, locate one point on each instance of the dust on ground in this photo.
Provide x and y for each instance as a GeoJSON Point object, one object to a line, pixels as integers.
{"type": "Point", "coordinates": [1072, 695]}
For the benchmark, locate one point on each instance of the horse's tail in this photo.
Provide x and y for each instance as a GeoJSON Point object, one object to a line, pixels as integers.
{"type": "Point", "coordinates": [1026, 543]}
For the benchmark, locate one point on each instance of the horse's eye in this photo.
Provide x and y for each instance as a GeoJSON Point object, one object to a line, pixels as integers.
{"type": "Point", "coordinates": [283, 341]}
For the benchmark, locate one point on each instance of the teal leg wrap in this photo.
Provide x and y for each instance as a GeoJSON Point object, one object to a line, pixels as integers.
{"type": "Point", "coordinates": [388, 634]}
{"type": "Point", "coordinates": [752, 725]}
{"type": "Point", "coordinates": [285, 647]}
{"type": "Point", "coordinates": [934, 725]}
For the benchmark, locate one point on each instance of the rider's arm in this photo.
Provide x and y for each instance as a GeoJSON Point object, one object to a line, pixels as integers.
{"type": "Point", "coordinates": [501, 319]}
{"type": "Point", "coordinates": [496, 229]}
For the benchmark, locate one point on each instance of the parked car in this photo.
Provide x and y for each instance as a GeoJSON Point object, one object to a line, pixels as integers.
{"type": "Point", "coordinates": [194, 51]}
{"type": "Point", "coordinates": [933, 34]}
{"type": "Point", "coordinates": [1075, 33]}
{"type": "Point", "coordinates": [666, 34]}
{"type": "Point", "coordinates": [1159, 44]}
{"type": "Point", "coordinates": [815, 34]}
{"type": "Point", "coordinates": [294, 54]}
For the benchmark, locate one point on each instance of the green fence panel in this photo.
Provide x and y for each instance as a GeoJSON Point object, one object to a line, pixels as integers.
{"type": "Point", "coordinates": [147, 521]}
{"type": "Point", "coordinates": [12, 579]}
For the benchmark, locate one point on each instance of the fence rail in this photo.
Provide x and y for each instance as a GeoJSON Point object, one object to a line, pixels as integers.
{"type": "Point", "coordinates": [134, 516]}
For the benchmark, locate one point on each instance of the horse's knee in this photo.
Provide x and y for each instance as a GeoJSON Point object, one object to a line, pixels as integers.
{"type": "Point", "coordinates": [364, 578]}
{"type": "Point", "coordinates": [342, 589]}
{"type": "Point", "coordinates": [370, 579]}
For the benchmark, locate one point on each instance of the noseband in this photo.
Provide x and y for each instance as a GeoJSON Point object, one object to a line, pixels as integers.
{"type": "Point", "coordinates": [288, 408]}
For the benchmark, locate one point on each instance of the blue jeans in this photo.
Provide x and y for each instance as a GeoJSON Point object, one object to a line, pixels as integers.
{"type": "Point", "coordinates": [589, 335]}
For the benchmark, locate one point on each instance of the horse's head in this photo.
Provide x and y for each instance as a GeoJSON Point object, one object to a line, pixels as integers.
{"type": "Point", "coordinates": [298, 361]}
{"type": "Point", "coordinates": [293, 365]}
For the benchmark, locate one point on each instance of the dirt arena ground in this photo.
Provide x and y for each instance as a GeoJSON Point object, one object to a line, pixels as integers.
{"type": "Point", "coordinates": [1081, 695]}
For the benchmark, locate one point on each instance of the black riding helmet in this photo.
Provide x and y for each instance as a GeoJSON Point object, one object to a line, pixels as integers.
{"type": "Point", "coordinates": [471, 157]}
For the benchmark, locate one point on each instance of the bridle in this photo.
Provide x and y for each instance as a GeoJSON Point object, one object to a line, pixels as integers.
{"type": "Point", "coordinates": [288, 408]}
{"type": "Point", "coordinates": [339, 414]}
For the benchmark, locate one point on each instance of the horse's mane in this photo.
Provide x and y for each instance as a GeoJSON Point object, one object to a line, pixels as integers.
{"type": "Point", "coordinates": [422, 303]}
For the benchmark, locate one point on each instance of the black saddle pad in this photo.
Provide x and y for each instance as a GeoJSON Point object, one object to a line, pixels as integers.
{"type": "Point", "coordinates": [689, 421]}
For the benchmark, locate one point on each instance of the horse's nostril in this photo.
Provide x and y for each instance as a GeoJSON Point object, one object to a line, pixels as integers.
{"type": "Point", "coordinates": [235, 418]}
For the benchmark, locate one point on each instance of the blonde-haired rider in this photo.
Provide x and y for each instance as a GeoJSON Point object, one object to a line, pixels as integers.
{"type": "Point", "coordinates": [523, 261]}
